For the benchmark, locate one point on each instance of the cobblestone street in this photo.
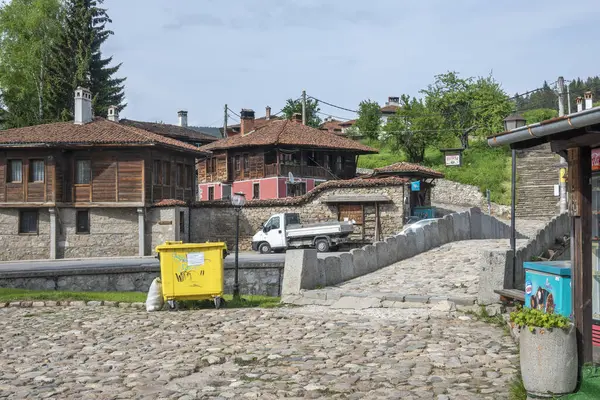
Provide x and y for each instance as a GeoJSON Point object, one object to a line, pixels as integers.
{"type": "Point", "coordinates": [308, 352]}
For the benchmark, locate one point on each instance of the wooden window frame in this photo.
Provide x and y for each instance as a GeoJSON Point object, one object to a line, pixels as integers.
{"type": "Point", "coordinates": [76, 169]}
{"type": "Point", "coordinates": [189, 176]}
{"type": "Point", "coordinates": [156, 172]}
{"type": "Point", "coordinates": [37, 222]}
{"type": "Point", "coordinates": [166, 173]}
{"type": "Point", "coordinates": [84, 231]}
{"type": "Point", "coordinates": [238, 163]}
{"type": "Point", "coordinates": [246, 162]}
{"type": "Point", "coordinates": [179, 175]}
{"type": "Point", "coordinates": [208, 192]}
{"type": "Point", "coordinates": [255, 185]}
{"type": "Point", "coordinates": [9, 170]}
{"type": "Point", "coordinates": [31, 170]}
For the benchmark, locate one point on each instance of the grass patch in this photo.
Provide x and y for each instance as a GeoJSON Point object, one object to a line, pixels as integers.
{"type": "Point", "coordinates": [483, 167]}
{"type": "Point", "coordinates": [8, 295]}
{"type": "Point", "coordinates": [517, 390]}
{"type": "Point", "coordinates": [484, 316]}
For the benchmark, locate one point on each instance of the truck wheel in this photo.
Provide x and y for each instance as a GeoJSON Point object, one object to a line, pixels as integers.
{"type": "Point", "coordinates": [322, 245]}
{"type": "Point", "coordinates": [264, 248]}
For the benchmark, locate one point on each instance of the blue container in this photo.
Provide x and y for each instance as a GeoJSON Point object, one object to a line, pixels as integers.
{"type": "Point", "coordinates": [423, 212]}
{"type": "Point", "coordinates": [548, 286]}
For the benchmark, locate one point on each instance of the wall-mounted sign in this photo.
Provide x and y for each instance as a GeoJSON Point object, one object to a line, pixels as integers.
{"type": "Point", "coordinates": [415, 186]}
{"type": "Point", "coordinates": [452, 157]}
{"type": "Point", "coordinates": [595, 159]}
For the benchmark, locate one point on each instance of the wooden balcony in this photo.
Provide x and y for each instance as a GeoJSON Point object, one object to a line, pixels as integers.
{"type": "Point", "coordinates": [305, 171]}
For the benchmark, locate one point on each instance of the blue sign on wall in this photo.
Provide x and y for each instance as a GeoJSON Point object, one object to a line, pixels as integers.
{"type": "Point", "coordinates": [415, 186]}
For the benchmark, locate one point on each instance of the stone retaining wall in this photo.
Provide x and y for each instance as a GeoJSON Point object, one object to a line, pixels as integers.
{"type": "Point", "coordinates": [254, 278]}
{"type": "Point", "coordinates": [454, 196]}
{"type": "Point", "coordinates": [304, 271]}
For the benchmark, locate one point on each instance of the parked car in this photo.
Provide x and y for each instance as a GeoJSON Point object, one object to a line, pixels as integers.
{"type": "Point", "coordinates": [416, 225]}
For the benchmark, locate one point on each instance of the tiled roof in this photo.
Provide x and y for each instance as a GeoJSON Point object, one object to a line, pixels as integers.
{"type": "Point", "coordinates": [169, 203]}
{"type": "Point", "coordinates": [208, 130]}
{"type": "Point", "coordinates": [404, 167]}
{"type": "Point", "coordinates": [348, 123]}
{"type": "Point", "coordinates": [258, 122]}
{"type": "Point", "coordinates": [331, 125]}
{"type": "Point", "coordinates": [289, 133]}
{"type": "Point", "coordinates": [389, 109]}
{"type": "Point", "coordinates": [351, 183]}
{"type": "Point", "coordinates": [98, 132]}
{"type": "Point", "coordinates": [173, 131]}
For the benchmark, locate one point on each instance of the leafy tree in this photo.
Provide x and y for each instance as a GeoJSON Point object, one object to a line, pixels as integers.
{"type": "Point", "coordinates": [413, 128]}
{"type": "Point", "coordinates": [78, 61]}
{"type": "Point", "coordinates": [471, 104]}
{"type": "Point", "coordinates": [538, 115]}
{"type": "Point", "coordinates": [369, 119]}
{"type": "Point", "coordinates": [28, 30]}
{"type": "Point", "coordinates": [312, 108]}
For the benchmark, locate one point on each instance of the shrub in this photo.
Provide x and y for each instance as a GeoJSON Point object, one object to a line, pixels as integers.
{"type": "Point", "coordinates": [533, 318]}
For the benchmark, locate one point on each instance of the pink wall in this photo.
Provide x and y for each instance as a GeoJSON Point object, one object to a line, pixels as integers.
{"type": "Point", "coordinates": [203, 189]}
{"type": "Point", "coordinates": [270, 188]}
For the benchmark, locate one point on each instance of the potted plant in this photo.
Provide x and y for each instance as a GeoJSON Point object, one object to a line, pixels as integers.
{"type": "Point", "coordinates": [548, 352]}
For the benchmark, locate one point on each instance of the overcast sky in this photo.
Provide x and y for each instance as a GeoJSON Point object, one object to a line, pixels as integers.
{"type": "Point", "coordinates": [198, 55]}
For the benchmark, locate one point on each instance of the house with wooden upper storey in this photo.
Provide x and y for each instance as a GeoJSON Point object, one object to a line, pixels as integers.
{"type": "Point", "coordinates": [282, 158]}
{"type": "Point", "coordinates": [85, 188]}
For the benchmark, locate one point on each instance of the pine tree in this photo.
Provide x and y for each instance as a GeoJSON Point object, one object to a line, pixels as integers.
{"type": "Point", "coordinates": [78, 61]}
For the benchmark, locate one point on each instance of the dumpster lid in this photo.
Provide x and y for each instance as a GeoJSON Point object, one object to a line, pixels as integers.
{"type": "Point", "coordinates": [562, 268]}
{"type": "Point", "coordinates": [190, 246]}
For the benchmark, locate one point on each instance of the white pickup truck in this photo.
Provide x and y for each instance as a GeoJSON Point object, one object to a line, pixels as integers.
{"type": "Point", "coordinates": [283, 231]}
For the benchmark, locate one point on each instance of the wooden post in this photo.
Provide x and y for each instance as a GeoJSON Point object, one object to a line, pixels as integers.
{"type": "Point", "coordinates": [580, 209]}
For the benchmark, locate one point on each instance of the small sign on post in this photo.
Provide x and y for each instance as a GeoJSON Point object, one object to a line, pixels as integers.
{"type": "Point", "coordinates": [452, 157]}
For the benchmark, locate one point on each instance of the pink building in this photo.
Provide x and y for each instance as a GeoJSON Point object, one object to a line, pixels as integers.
{"type": "Point", "coordinates": [278, 159]}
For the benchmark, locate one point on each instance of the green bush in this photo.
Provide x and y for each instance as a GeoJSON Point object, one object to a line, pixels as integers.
{"type": "Point", "coordinates": [532, 318]}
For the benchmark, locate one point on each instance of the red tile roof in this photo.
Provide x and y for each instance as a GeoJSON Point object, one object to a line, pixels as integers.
{"type": "Point", "coordinates": [389, 109]}
{"type": "Point", "coordinates": [169, 203]}
{"type": "Point", "coordinates": [405, 167]}
{"type": "Point", "coordinates": [351, 183]}
{"type": "Point", "coordinates": [98, 132]}
{"type": "Point", "coordinates": [289, 133]}
{"type": "Point", "coordinates": [173, 131]}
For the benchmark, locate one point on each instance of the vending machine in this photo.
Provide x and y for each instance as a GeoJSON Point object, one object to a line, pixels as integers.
{"type": "Point", "coordinates": [595, 242]}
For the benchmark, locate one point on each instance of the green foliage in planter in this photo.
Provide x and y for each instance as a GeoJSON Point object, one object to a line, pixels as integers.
{"type": "Point", "coordinates": [533, 318]}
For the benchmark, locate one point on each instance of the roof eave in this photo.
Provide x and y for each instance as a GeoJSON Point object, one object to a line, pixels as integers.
{"type": "Point", "coordinates": [546, 128]}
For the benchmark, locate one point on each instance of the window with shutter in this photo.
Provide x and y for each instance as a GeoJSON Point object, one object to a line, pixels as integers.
{"type": "Point", "coordinates": [15, 171]}
{"type": "Point", "coordinates": [36, 170]}
{"type": "Point", "coordinates": [28, 221]}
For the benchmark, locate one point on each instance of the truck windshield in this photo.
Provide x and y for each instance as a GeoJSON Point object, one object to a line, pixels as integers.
{"type": "Point", "coordinates": [273, 223]}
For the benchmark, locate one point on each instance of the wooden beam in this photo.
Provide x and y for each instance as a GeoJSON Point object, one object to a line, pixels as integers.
{"type": "Point", "coordinates": [579, 138]}
{"type": "Point", "coordinates": [580, 210]}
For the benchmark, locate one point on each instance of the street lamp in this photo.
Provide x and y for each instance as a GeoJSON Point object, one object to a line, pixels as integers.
{"type": "Point", "coordinates": [237, 201]}
{"type": "Point", "coordinates": [511, 122]}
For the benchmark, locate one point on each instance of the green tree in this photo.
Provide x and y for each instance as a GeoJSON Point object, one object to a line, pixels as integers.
{"type": "Point", "coordinates": [78, 61]}
{"type": "Point", "coordinates": [28, 31]}
{"type": "Point", "coordinates": [369, 119]}
{"type": "Point", "coordinates": [541, 114]}
{"type": "Point", "coordinates": [312, 108]}
{"type": "Point", "coordinates": [476, 105]}
{"type": "Point", "coordinates": [413, 128]}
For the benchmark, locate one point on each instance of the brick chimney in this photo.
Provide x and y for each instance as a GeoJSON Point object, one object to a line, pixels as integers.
{"type": "Point", "coordinates": [588, 100]}
{"type": "Point", "coordinates": [182, 118]}
{"type": "Point", "coordinates": [297, 117]}
{"type": "Point", "coordinates": [579, 101]}
{"type": "Point", "coordinates": [268, 113]}
{"type": "Point", "coordinates": [246, 121]}
{"type": "Point", "coordinates": [83, 106]}
{"type": "Point", "coordinates": [113, 114]}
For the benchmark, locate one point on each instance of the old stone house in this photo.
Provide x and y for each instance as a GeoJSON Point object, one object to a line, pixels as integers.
{"type": "Point", "coordinates": [85, 188]}
{"type": "Point", "coordinates": [280, 159]}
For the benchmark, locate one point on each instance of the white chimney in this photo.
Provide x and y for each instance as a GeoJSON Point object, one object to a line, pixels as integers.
{"type": "Point", "coordinates": [83, 106]}
{"type": "Point", "coordinates": [182, 118]}
{"type": "Point", "coordinates": [588, 100]}
{"type": "Point", "coordinates": [268, 113]}
{"type": "Point", "coordinates": [393, 101]}
{"type": "Point", "coordinates": [579, 101]}
{"type": "Point", "coordinates": [113, 114]}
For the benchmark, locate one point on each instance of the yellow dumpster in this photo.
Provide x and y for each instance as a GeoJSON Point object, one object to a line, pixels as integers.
{"type": "Point", "coordinates": [192, 271]}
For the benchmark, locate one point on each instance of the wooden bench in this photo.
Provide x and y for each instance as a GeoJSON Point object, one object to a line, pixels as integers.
{"type": "Point", "coordinates": [511, 295]}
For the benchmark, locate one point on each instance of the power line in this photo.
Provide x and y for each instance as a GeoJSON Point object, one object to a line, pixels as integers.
{"type": "Point", "coordinates": [333, 116]}
{"type": "Point", "coordinates": [333, 105]}
{"type": "Point", "coordinates": [229, 109]}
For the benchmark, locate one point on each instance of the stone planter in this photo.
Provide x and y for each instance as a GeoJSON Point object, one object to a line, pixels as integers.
{"type": "Point", "coordinates": [548, 361]}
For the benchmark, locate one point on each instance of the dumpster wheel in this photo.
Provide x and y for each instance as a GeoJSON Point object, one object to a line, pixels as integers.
{"type": "Point", "coordinates": [173, 305]}
{"type": "Point", "coordinates": [219, 302]}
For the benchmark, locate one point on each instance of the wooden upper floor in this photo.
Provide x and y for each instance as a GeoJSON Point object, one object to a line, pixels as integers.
{"type": "Point", "coordinates": [238, 164]}
{"type": "Point", "coordinates": [95, 177]}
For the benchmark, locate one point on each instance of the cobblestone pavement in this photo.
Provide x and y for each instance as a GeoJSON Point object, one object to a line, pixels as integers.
{"type": "Point", "coordinates": [309, 352]}
{"type": "Point", "coordinates": [451, 270]}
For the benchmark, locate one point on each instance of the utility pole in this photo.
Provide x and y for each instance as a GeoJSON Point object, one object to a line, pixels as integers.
{"type": "Point", "coordinates": [225, 123]}
{"type": "Point", "coordinates": [561, 174]}
{"type": "Point", "coordinates": [304, 107]}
